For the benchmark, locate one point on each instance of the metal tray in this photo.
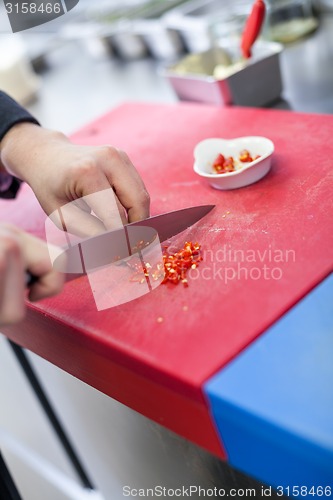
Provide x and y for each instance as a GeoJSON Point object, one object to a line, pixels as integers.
{"type": "Point", "coordinates": [256, 82]}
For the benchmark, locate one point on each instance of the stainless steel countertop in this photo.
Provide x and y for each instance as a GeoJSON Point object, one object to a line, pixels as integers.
{"type": "Point", "coordinates": [79, 85]}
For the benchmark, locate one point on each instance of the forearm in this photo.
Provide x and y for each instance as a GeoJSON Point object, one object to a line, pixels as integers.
{"type": "Point", "coordinates": [23, 147]}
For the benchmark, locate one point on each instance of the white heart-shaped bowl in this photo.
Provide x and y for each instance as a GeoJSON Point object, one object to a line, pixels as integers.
{"type": "Point", "coordinates": [206, 151]}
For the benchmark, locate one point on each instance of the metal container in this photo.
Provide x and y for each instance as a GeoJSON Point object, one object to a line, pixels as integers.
{"type": "Point", "coordinates": [255, 82]}
{"type": "Point", "coordinates": [125, 42]}
{"type": "Point", "coordinates": [289, 20]}
{"type": "Point", "coordinates": [133, 31]}
{"type": "Point", "coordinates": [163, 42]}
{"type": "Point", "coordinates": [194, 19]}
{"type": "Point", "coordinates": [323, 5]}
{"type": "Point", "coordinates": [116, 29]}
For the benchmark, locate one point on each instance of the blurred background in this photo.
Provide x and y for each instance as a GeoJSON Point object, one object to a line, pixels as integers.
{"type": "Point", "coordinates": [68, 72]}
{"type": "Point", "coordinates": [102, 53]}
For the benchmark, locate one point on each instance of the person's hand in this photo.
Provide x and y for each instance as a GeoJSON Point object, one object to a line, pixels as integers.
{"type": "Point", "coordinates": [21, 252]}
{"type": "Point", "coordinates": [60, 172]}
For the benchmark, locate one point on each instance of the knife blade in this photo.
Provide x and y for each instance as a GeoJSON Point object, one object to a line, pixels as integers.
{"type": "Point", "coordinates": [117, 244]}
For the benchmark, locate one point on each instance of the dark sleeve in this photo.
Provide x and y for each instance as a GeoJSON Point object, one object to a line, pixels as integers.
{"type": "Point", "coordinates": [11, 113]}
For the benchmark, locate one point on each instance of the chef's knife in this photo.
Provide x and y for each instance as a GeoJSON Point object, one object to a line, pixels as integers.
{"type": "Point", "coordinates": [120, 243]}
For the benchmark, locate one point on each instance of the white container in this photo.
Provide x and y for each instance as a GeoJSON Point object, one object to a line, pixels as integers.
{"type": "Point", "coordinates": [206, 151]}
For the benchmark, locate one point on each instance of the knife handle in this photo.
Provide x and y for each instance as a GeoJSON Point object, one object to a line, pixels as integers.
{"type": "Point", "coordinates": [30, 279]}
{"type": "Point", "coordinates": [252, 27]}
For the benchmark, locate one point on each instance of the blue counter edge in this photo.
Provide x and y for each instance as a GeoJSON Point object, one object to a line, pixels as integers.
{"type": "Point", "coordinates": [273, 404]}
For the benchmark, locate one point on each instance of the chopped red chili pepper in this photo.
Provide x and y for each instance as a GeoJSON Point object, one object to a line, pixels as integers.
{"type": "Point", "coordinates": [174, 268]}
{"type": "Point", "coordinates": [229, 164]}
{"type": "Point", "coordinates": [244, 156]}
{"type": "Point", "coordinates": [219, 160]}
{"type": "Point", "coordinates": [222, 165]}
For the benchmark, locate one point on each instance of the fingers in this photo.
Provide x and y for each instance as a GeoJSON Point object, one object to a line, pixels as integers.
{"type": "Point", "coordinates": [37, 262]}
{"type": "Point", "coordinates": [48, 285]}
{"type": "Point", "coordinates": [71, 218]}
{"type": "Point", "coordinates": [94, 193]}
{"type": "Point", "coordinates": [60, 172]}
{"type": "Point", "coordinates": [11, 277]}
{"type": "Point", "coordinates": [127, 184]}
{"type": "Point", "coordinates": [108, 183]}
{"type": "Point", "coordinates": [106, 206]}
{"type": "Point", "coordinates": [20, 252]}
{"type": "Point", "coordinates": [106, 188]}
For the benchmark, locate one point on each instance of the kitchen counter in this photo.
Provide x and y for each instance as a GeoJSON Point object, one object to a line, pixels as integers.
{"type": "Point", "coordinates": [191, 391]}
{"type": "Point", "coordinates": [157, 353]}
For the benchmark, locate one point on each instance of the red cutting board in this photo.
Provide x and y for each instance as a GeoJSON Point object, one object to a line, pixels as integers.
{"type": "Point", "coordinates": [158, 368]}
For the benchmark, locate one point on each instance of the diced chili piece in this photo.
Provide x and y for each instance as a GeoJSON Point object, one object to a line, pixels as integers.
{"type": "Point", "coordinates": [244, 156]}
